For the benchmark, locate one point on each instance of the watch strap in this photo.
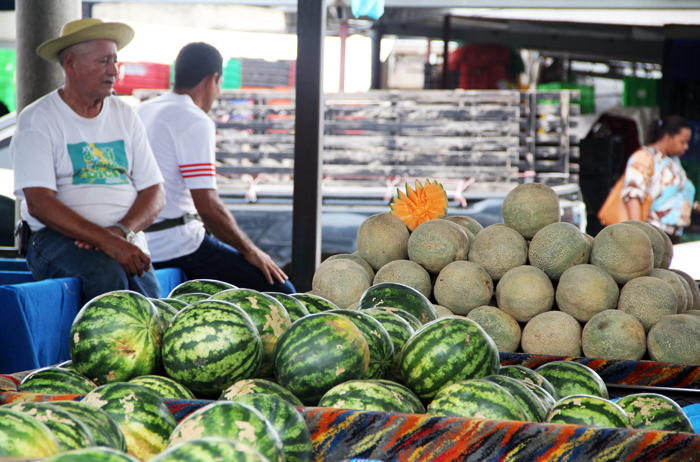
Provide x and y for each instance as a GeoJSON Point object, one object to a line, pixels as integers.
{"type": "Point", "coordinates": [128, 234]}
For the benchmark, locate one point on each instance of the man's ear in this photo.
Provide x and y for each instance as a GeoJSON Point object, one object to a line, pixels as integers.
{"type": "Point", "coordinates": [69, 60]}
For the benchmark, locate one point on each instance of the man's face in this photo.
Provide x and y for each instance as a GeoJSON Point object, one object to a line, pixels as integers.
{"type": "Point", "coordinates": [93, 68]}
{"type": "Point", "coordinates": [214, 93]}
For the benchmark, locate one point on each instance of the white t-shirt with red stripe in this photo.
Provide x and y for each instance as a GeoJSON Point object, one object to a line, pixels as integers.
{"type": "Point", "coordinates": [183, 138]}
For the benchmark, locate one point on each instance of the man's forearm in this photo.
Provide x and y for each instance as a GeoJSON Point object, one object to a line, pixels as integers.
{"type": "Point", "coordinates": [148, 204]}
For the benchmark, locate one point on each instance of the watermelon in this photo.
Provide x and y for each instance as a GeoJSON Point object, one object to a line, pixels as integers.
{"type": "Point", "coordinates": [269, 316]}
{"type": "Point", "coordinates": [22, 435]}
{"type": "Point", "coordinates": [571, 378]}
{"type": "Point", "coordinates": [403, 314]}
{"type": "Point", "coordinates": [248, 386]}
{"type": "Point", "coordinates": [543, 395]}
{"type": "Point", "coordinates": [166, 310]}
{"type": "Point", "coordinates": [289, 423]}
{"type": "Point", "coordinates": [56, 381]}
{"type": "Point", "coordinates": [193, 297]}
{"type": "Point", "coordinates": [100, 454]}
{"type": "Point", "coordinates": [534, 409]}
{"type": "Point", "coordinates": [67, 365]}
{"type": "Point", "coordinates": [294, 307]}
{"type": "Point", "coordinates": [446, 351]}
{"type": "Point", "coordinates": [141, 415]}
{"type": "Point", "coordinates": [315, 304]}
{"type": "Point", "coordinates": [394, 295]}
{"type": "Point", "coordinates": [530, 376]}
{"type": "Point", "coordinates": [399, 331]}
{"type": "Point", "coordinates": [411, 400]}
{"type": "Point", "coordinates": [70, 432]}
{"type": "Point", "coordinates": [381, 348]}
{"type": "Point", "coordinates": [364, 395]}
{"type": "Point", "coordinates": [115, 337]}
{"type": "Point", "coordinates": [318, 352]}
{"type": "Point", "coordinates": [229, 419]}
{"type": "Point", "coordinates": [102, 426]}
{"type": "Point", "coordinates": [201, 286]}
{"type": "Point", "coordinates": [211, 345]}
{"type": "Point", "coordinates": [175, 303]}
{"type": "Point", "coordinates": [477, 398]}
{"type": "Point", "coordinates": [588, 410]}
{"type": "Point", "coordinates": [211, 450]}
{"type": "Point", "coordinates": [651, 411]}
{"type": "Point", "coordinates": [164, 387]}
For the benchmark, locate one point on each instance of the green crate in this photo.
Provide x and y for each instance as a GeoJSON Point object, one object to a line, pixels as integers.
{"type": "Point", "coordinates": [587, 100]}
{"type": "Point", "coordinates": [639, 92]}
{"type": "Point", "coordinates": [232, 74]}
{"type": "Point", "coordinates": [8, 96]}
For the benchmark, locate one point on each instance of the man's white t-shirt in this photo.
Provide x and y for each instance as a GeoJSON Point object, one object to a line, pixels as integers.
{"type": "Point", "coordinates": [183, 138]}
{"type": "Point", "coordinates": [95, 165]}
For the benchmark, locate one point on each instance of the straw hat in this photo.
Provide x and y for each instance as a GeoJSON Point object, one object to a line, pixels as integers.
{"type": "Point", "coordinates": [84, 30]}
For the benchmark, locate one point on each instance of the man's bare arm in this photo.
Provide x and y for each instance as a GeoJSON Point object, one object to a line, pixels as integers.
{"type": "Point", "coordinates": [221, 223]}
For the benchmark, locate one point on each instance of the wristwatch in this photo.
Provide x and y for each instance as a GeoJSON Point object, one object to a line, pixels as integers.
{"type": "Point", "coordinates": [129, 235]}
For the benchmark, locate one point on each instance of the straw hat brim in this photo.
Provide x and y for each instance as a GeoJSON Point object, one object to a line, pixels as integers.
{"type": "Point", "coordinates": [120, 33]}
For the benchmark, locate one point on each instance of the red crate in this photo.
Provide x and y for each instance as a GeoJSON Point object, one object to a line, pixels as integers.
{"type": "Point", "coordinates": [133, 76]}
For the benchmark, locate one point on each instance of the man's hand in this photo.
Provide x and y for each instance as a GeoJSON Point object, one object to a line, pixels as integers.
{"type": "Point", "coordinates": [264, 263]}
{"type": "Point", "coordinates": [131, 257]}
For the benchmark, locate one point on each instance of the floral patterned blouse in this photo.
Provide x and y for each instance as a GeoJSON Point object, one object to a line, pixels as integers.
{"type": "Point", "coordinates": [651, 172]}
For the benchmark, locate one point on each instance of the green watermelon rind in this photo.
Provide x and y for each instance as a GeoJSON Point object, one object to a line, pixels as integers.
{"type": "Point", "coordinates": [395, 295]}
{"type": "Point", "coordinates": [103, 454]}
{"type": "Point", "coordinates": [398, 328]}
{"type": "Point", "coordinates": [652, 411]}
{"type": "Point", "coordinates": [22, 435]}
{"type": "Point", "coordinates": [103, 427]}
{"type": "Point", "coordinates": [530, 376]}
{"type": "Point", "coordinates": [572, 378]}
{"type": "Point", "coordinates": [56, 381]}
{"type": "Point", "coordinates": [406, 395]}
{"type": "Point", "coordinates": [364, 395]}
{"type": "Point", "coordinates": [528, 400]}
{"type": "Point", "coordinates": [315, 304]}
{"type": "Point", "coordinates": [261, 386]}
{"type": "Point", "coordinates": [70, 432]}
{"type": "Point", "coordinates": [588, 410]}
{"type": "Point", "coordinates": [403, 314]}
{"type": "Point", "coordinates": [175, 303]}
{"type": "Point", "coordinates": [165, 387]}
{"type": "Point", "coordinates": [202, 286]}
{"type": "Point", "coordinates": [193, 297]}
{"type": "Point", "coordinates": [476, 398]}
{"type": "Point", "coordinates": [295, 308]}
{"type": "Point", "coordinates": [211, 449]}
{"type": "Point", "coordinates": [543, 395]}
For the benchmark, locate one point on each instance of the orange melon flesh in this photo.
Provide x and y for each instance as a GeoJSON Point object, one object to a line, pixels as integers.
{"type": "Point", "coordinates": [420, 205]}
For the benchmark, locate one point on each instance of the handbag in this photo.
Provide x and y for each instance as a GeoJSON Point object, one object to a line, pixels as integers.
{"type": "Point", "coordinates": [614, 209]}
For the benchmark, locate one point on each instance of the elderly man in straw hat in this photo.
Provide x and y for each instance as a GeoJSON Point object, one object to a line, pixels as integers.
{"type": "Point", "coordinates": [85, 169]}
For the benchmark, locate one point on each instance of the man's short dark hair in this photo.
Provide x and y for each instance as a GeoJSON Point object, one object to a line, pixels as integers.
{"type": "Point", "coordinates": [195, 62]}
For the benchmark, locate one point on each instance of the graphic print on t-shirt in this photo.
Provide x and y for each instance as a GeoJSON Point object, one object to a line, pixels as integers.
{"type": "Point", "coordinates": [99, 163]}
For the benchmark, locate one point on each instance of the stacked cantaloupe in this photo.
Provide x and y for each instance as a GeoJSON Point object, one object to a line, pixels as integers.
{"type": "Point", "coordinates": [535, 284]}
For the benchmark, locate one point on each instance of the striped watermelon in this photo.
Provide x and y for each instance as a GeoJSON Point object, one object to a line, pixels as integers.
{"type": "Point", "coordinates": [116, 336]}
{"type": "Point", "coordinates": [269, 316]}
{"type": "Point", "coordinates": [166, 310]}
{"type": "Point", "coordinates": [202, 286]}
{"type": "Point", "coordinates": [528, 375]}
{"type": "Point", "coordinates": [100, 454]}
{"type": "Point", "coordinates": [364, 395]}
{"type": "Point", "coordinates": [164, 387]}
{"type": "Point", "coordinates": [249, 386]}
{"type": "Point", "coordinates": [211, 450]}
{"type": "Point", "coordinates": [193, 297]}
{"type": "Point", "coordinates": [394, 295]}
{"type": "Point", "coordinates": [479, 399]}
{"type": "Point", "coordinates": [446, 351]}
{"type": "Point", "coordinates": [545, 398]}
{"type": "Point", "coordinates": [381, 348]}
{"type": "Point", "coordinates": [589, 410]}
{"type": "Point", "coordinates": [534, 409]}
{"type": "Point", "coordinates": [318, 352]}
{"type": "Point", "coordinates": [294, 307]}
{"type": "Point", "coordinates": [175, 303]}
{"type": "Point", "coordinates": [210, 345]}
{"type": "Point", "coordinates": [229, 419]}
{"type": "Point", "coordinates": [399, 331]}
{"type": "Point", "coordinates": [22, 435]}
{"type": "Point", "coordinates": [411, 400]}
{"type": "Point", "coordinates": [651, 411]}
{"type": "Point", "coordinates": [315, 304]}
{"type": "Point", "coordinates": [571, 378]}
{"type": "Point", "coordinates": [67, 365]}
{"type": "Point", "coordinates": [289, 423]}
{"type": "Point", "coordinates": [403, 314]}
{"type": "Point", "coordinates": [141, 415]}
{"type": "Point", "coordinates": [102, 426]}
{"type": "Point", "coordinates": [70, 432]}
{"type": "Point", "coordinates": [56, 381]}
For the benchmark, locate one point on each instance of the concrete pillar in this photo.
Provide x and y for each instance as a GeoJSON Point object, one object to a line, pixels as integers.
{"type": "Point", "coordinates": [38, 21]}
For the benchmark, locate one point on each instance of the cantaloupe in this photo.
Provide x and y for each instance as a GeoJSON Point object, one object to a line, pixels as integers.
{"type": "Point", "coordinates": [557, 247]}
{"type": "Point", "coordinates": [552, 333]}
{"type": "Point", "coordinates": [498, 249]}
{"type": "Point", "coordinates": [443, 312]}
{"type": "Point", "coordinates": [692, 285]}
{"type": "Point", "coordinates": [589, 238]}
{"type": "Point", "coordinates": [462, 224]}
{"type": "Point", "coordinates": [467, 223]}
{"type": "Point", "coordinates": [614, 334]}
{"type": "Point", "coordinates": [499, 325]}
{"type": "Point", "coordinates": [437, 243]}
{"type": "Point", "coordinates": [668, 249]}
{"type": "Point", "coordinates": [658, 245]}
{"type": "Point", "coordinates": [524, 292]}
{"type": "Point", "coordinates": [692, 312]}
{"type": "Point", "coordinates": [357, 259]}
{"type": "Point", "coordinates": [689, 296]}
{"type": "Point", "coordinates": [462, 286]}
{"type": "Point", "coordinates": [405, 272]}
{"type": "Point", "coordinates": [623, 251]}
{"type": "Point", "coordinates": [648, 299]}
{"type": "Point", "coordinates": [340, 281]}
{"type": "Point", "coordinates": [674, 339]}
{"type": "Point", "coordinates": [382, 238]}
{"type": "Point", "coordinates": [586, 290]}
{"type": "Point", "coordinates": [529, 207]}
{"type": "Point", "coordinates": [674, 281]}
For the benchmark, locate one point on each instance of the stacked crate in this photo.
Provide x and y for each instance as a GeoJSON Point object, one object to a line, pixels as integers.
{"type": "Point", "coordinates": [8, 68]}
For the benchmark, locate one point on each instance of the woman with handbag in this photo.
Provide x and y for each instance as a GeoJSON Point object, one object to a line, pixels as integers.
{"type": "Point", "coordinates": [655, 173]}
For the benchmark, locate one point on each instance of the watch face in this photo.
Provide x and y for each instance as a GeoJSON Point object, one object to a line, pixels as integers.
{"type": "Point", "coordinates": [131, 237]}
